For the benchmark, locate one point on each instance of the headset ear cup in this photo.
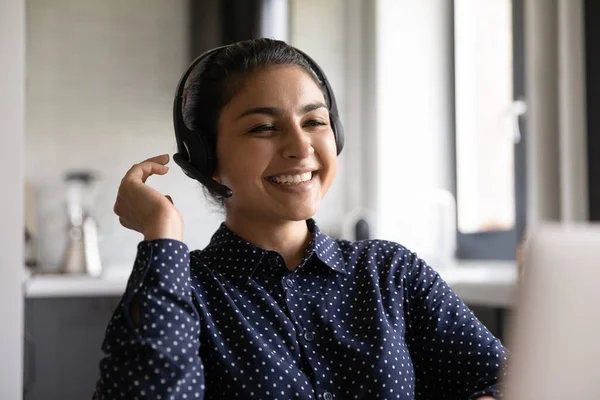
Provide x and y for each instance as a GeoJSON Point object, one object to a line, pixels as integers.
{"type": "Point", "coordinates": [201, 153]}
{"type": "Point", "coordinates": [338, 131]}
{"type": "Point", "coordinates": [210, 154]}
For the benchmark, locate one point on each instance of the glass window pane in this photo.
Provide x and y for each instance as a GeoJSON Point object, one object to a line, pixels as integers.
{"type": "Point", "coordinates": [485, 122]}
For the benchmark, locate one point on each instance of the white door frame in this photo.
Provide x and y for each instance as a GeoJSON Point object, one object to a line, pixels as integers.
{"type": "Point", "coordinates": [12, 138]}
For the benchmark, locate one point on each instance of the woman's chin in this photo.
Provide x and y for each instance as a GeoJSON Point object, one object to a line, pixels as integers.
{"type": "Point", "coordinates": [277, 205]}
{"type": "Point", "coordinates": [300, 213]}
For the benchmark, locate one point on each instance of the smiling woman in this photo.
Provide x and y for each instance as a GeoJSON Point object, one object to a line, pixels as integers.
{"type": "Point", "coordinates": [273, 307]}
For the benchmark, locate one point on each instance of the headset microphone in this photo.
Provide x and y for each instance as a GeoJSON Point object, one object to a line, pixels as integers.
{"type": "Point", "coordinates": [210, 184]}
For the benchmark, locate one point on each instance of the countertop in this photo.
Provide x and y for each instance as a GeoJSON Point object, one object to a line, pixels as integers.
{"type": "Point", "coordinates": [484, 283]}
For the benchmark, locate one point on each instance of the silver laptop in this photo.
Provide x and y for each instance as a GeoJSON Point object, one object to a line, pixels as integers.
{"type": "Point", "coordinates": [554, 338]}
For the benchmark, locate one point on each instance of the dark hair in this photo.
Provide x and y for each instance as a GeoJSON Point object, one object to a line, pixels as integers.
{"type": "Point", "coordinates": [216, 81]}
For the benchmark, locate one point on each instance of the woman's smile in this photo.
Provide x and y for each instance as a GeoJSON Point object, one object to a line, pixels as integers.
{"type": "Point", "coordinates": [297, 183]}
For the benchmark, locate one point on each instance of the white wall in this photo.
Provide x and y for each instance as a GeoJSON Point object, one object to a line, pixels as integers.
{"type": "Point", "coordinates": [413, 116]}
{"type": "Point", "coordinates": [101, 78]}
{"type": "Point", "coordinates": [100, 81]}
{"type": "Point", "coordinates": [12, 82]}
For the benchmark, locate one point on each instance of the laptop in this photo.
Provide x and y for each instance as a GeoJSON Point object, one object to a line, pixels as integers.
{"type": "Point", "coordinates": [554, 336]}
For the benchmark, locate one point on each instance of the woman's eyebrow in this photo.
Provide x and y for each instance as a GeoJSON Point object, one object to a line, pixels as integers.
{"type": "Point", "coordinates": [311, 107]}
{"type": "Point", "coordinates": [275, 112]}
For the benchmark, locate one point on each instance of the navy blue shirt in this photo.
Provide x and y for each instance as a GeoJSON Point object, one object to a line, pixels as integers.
{"type": "Point", "coordinates": [355, 320]}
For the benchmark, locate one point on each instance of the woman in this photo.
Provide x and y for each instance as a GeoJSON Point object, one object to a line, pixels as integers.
{"type": "Point", "coordinates": [273, 308]}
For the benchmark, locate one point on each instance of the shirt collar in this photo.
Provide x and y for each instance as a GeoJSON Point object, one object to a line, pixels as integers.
{"type": "Point", "coordinates": [237, 257]}
{"type": "Point", "coordinates": [327, 250]}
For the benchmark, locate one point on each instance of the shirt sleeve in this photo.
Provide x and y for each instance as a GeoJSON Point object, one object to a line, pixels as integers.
{"type": "Point", "coordinates": [454, 354]}
{"type": "Point", "coordinates": [157, 358]}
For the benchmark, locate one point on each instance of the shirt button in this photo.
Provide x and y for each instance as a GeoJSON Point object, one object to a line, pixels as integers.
{"type": "Point", "coordinates": [327, 396]}
{"type": "Point", "coordinates": [273, 262]}
{"type": "Point", "coordinates": [289, 282]}
{"type": "Point", "coordinates": [310, 336]}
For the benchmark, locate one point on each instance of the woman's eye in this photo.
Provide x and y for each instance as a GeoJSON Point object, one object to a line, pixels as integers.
{"type": "Point", "coordinates": [262, 128]}
{"type": "Point", "coordinates": [315, 122]}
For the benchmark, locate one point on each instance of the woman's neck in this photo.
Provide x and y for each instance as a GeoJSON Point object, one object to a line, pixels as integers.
{"type": "Point", "coordinates": [288, 238]}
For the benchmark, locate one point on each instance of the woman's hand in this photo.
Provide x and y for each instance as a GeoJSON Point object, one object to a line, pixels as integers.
{"type": "Point", "coordinates": [144, 209]}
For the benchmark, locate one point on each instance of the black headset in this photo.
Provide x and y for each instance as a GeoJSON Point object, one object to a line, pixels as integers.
{"type": "Point", "coordinates": [196, 153]}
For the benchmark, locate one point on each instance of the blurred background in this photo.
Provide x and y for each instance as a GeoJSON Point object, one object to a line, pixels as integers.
{"type": "Point", "coordinates": [468, 123]}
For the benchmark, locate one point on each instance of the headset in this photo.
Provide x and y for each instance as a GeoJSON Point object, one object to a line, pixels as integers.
{"type": "Point", "coordinates": [196, 153]}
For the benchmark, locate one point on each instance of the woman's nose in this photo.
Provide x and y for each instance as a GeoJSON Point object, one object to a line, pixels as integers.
{"type": "Point", "coordinates": [298, 144]}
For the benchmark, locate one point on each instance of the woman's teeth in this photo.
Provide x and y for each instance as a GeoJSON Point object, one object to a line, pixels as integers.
{"type": "Point", "coordinates": [292, 179]}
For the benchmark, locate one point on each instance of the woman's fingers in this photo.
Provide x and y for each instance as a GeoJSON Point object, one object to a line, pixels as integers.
{"type": "Point", "coordinates": [161, 159]}
{"type": "Point", "coordinates": [144, 209]}
{"type": "Point", "coordinates": [145, 169]}
{"type": "Point", "coordinates": [152, 168]}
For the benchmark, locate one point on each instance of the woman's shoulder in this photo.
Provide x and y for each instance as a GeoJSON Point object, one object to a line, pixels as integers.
{"type": "Point", "coordinates": [381, 252]}
{"type": "Point", "coordinates": [378, 246]}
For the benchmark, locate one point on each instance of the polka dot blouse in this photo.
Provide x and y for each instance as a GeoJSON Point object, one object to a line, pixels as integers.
{"type": "Point", "coordinates": [355, 320]}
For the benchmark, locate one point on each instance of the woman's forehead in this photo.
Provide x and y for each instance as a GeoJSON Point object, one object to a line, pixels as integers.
{"type": "Point", "coordinates": [278, 84]}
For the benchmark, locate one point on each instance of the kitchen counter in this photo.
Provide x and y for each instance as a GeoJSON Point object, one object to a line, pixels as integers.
{"type": "Point", "coordinates": [482, 283]}
{"type": "Point", "coordinates": [59, 285]}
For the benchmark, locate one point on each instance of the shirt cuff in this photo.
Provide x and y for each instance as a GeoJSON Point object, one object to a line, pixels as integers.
{"type": "Point", "coordinates": [161, 267]}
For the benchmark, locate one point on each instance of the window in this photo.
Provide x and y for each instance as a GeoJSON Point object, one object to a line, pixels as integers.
{"type": "Point", "coordinates": [489, 142]}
